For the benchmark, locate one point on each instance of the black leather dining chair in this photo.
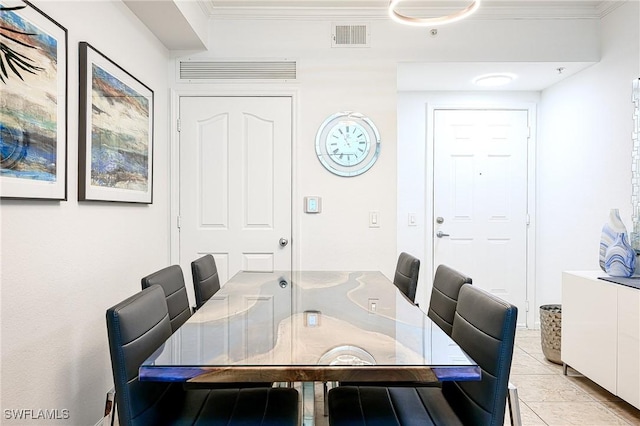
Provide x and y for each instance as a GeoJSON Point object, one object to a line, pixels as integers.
{"type": "Point", "coordinates": [206, 281]}
{"type": "Point", "coordinates": [406, 275]}
{"type": "Point", "coordinates": [484, 327]}
{"type": "Point", "coordinates": [136, 327]}
{"type": "Point", "coordinates": [447, 283]}
{"type": "Point", "coordinates": [171, 279]}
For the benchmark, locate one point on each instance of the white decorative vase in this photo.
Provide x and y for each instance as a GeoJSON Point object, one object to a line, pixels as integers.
{"type": "Point", "coordinates": [610, 232]}
{"type": "Point", "coordinates": [620, 258]}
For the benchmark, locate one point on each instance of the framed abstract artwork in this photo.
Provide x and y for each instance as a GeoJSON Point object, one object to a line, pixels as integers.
{"type": "Point", "coordinates": [33, 103]}
{"type": "Point", "coordinates": [115, 155]}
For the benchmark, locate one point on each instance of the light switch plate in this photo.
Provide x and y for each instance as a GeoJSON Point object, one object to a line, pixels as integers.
{"type": "Point", "coordinates": [374, 219]}
{"type": "Point", "coordinates": [373, 305]}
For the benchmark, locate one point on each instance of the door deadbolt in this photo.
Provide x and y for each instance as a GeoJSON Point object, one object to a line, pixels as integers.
{"type": "Point", "coordinates": [283, 242]}
{"type": "Point", "coordinates": [440, 219]}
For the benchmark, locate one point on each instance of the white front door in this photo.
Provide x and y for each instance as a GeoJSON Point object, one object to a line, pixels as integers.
{"type": "Point", "coordinates": [480, 199]}
{"type": "Point", "coordinates": [235, 182]}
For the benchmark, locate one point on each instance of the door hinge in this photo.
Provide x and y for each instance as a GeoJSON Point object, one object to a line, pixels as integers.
{"type": "Point", "coordinates": [178, 124]}
{"type": "Point", "coordinates": [179, 222]}
{"type": "Point", "coordinates": [526, 306]}
{"type": "Point", "coordinates": [528, 220]}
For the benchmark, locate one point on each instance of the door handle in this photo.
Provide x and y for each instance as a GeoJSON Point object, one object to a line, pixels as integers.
{"type": "Point", "coordinates": [441, 234]}
{"type": "Point", "coordinates": [283, 242]}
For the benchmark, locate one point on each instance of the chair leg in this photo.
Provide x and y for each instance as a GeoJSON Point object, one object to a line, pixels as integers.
{"type": "Point", "coordinates": [514, 405]}
{"type": "Point", "coordinates": [325, 391]}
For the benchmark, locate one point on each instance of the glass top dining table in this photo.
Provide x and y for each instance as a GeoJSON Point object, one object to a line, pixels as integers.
{"type": "Point", "coordinates": [309, 326]}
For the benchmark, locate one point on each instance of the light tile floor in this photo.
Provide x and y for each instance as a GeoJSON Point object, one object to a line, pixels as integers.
{"type": "Point", "coordinates": [547, 397]}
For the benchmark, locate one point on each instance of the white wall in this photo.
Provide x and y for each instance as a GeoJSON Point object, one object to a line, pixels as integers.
{"type": "Point", "coordinates": [584, 154]}
{"type": "Point", "coordinates": [64, 263]}
{"type": "Point", "coordinates": [328, 81]}
{"type": "Point", "coordinates": [583, 157]}
{"type": "Point", "coordinates": [415, 178]}
{"type": "Point", "coordinates": [364, 80]}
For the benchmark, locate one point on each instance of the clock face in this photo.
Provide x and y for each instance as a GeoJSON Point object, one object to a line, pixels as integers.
{"type": "Point", "coordinates": [347, 144]}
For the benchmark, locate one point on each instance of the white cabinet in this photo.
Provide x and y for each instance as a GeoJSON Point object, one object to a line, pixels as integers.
{"type": "Point", "coordinates": [601, 332]}
{"type": "Point", "coordinates": [629, 345]}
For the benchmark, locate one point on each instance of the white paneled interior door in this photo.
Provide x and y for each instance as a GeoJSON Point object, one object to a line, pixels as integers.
{"type": "Point", "coordinates": [480, 199]}
{"type": "Point", "coordinates": [235, 182]}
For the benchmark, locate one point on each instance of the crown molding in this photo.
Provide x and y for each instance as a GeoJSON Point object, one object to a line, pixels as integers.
{"type": "Point", "coordinates": [377, 10]}
{"type": "Point", "coordinates": [608, 6]}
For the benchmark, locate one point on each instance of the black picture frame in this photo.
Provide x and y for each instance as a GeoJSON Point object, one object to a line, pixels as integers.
{"type": "Point", "coordinates": [115, 154]}
{"type": "Point", "coordinates": [33, 117]}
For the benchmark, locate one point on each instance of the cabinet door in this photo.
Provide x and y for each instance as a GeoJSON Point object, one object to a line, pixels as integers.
{"type": "Point", "coordinates": [629, 345]}
{"type": "Point", "coordinates": [589, 324]}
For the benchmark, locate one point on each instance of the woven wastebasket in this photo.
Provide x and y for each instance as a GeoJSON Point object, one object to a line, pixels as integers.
{"type": "Point", "coordinates": [551, 331]}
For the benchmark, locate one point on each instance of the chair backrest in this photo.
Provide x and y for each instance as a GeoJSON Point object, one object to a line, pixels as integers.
{"type": "Point", "coordinates": [406, 276]}
{"type": "Point", "coordinates": [484, 327]}
{"type": "Point", "coordinates": [444, 296]}
{"type": "Point", "coordinates": [171, 280]}
{"type": "Point", "coordinates": [136, 327]}
{"type": "Point", "coordinates": [205, 279]}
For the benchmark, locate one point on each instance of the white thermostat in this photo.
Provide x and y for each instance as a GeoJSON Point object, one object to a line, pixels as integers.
{"type": "Point", "coordinates": [312, 204]}
{"type": "Point", "coordinates": [311, 318]}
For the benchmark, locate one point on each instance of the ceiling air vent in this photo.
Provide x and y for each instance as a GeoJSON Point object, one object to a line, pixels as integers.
{"type": "Point", "coordinates": [210, 71]}
{"type": "Point", "coordinates": [350, 35]}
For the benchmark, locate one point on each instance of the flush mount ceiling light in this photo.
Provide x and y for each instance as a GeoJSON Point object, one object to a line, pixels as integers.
{"type": "Point", "coordinates": [440, 20]}
{"type": "Point", "coordinates": [493, 80]}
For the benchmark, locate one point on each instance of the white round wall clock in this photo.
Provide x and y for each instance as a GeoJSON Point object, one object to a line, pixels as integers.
{"type": "Point", "coordinates": [347, 143]}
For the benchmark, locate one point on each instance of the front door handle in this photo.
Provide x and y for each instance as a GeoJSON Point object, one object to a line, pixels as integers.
{"type": "Point", "coordinates": [283, 242]}
{"type": "Point", "coordinates": [441, 234]}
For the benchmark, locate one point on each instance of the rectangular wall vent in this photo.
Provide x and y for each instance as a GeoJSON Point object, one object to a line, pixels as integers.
{"type": "Point", "coordinates": [350, 35]}
{"type": "Point", "coordinates": [208, 71]}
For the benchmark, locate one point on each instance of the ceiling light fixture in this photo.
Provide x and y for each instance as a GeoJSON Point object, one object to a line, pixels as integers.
{"type": "Point", "coordinates": [493, 80]}
{"type": "Point", "coordinates": [441, 20]}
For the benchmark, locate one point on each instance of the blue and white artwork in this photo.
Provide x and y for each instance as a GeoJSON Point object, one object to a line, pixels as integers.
{"type": "Point", "coordinates": [29, 116]}
{"type": "Point", "coordinates": [119, 134]}
{"type": "Point", "coordinates": [33, 113]}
